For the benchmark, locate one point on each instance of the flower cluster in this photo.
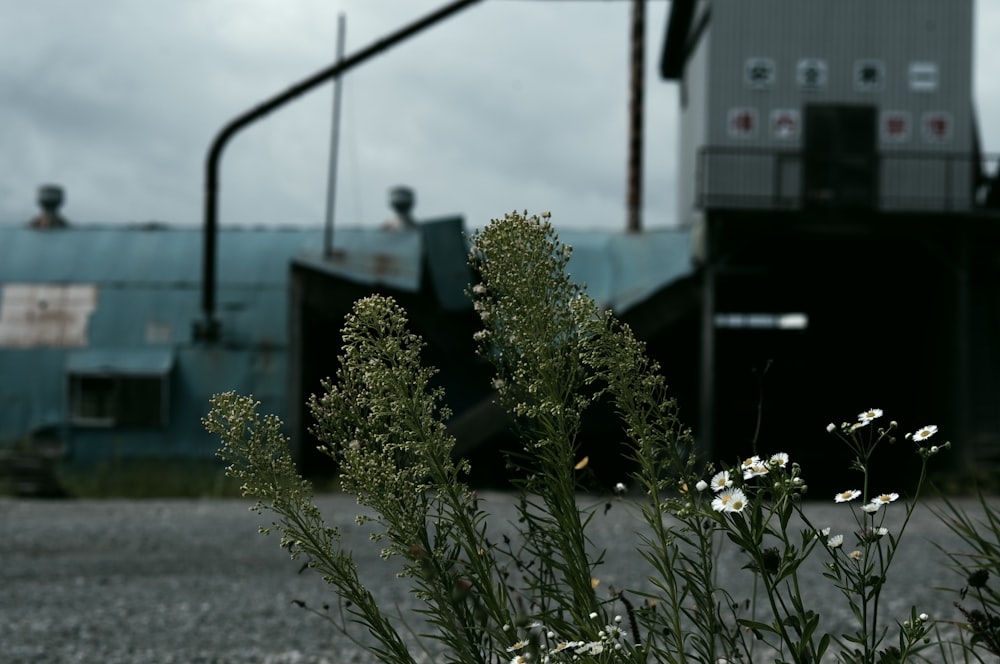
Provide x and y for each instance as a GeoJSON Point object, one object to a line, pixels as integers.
{"type": "Point", "coordinates": [543, 645]}
{"type": "Point", "coordinates": [866, 534]}
{"type": "Point", "coordinates": [555, 352]}
{"type": "Point", "coordinates": [872, 505]}
{"type": "Point", "coordinates": [732, 498]}
{"type": "Point", "coordinates": [921, 435]}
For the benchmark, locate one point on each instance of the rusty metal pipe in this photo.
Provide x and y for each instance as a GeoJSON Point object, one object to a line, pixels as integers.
{"type": "Point", "coordinates": [209, 329]}
{"type": "Point", "coordinates": [633, 202]}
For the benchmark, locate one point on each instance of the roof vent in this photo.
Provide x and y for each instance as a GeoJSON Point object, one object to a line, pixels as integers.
{"type": "Point", "coordinates": [401, 200]}
{"type": "Point", "coordinates": [50, 199]}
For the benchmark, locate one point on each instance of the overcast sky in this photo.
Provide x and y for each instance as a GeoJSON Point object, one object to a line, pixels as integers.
{"type": "Point", "coordinates": [509, 104]}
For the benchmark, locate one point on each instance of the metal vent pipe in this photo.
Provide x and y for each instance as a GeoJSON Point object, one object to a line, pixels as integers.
{"type": "Point", "coordinates": [209, 328]}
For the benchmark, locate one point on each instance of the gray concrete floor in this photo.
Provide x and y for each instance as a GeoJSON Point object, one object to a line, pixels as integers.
{"type": "Point", "coordinates": [192, 580]}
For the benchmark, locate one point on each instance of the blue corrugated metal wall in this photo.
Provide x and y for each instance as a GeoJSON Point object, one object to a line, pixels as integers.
{"type": "Point", "coordinates": [147, 284]}
{"type": "Point", "coordinates": [118, 292]}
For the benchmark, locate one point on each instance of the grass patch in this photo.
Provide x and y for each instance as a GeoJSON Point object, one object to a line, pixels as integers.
{"type": "Point", "coordinates": [148, 478]}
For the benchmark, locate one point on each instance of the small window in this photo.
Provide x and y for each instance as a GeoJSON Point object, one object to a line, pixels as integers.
{"type": "Point", "coordinates": [93, 399]}
{"type": "Point", "coordinates": [119, 390]}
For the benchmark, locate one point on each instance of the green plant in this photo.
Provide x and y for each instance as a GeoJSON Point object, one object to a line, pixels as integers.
{"type": "Point", "coordinates": [533, 596]}
{"type": "Point", "coordinates": [977, 566]}
{"type": "Point", "coordinates": [147, 478]}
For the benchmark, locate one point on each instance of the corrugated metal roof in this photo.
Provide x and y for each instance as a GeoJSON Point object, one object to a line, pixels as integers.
{"type": "Point", "coordinates": [134, 294]}
{"type": "Point", "coordinates": [169, 256]}
{"type": "Point", "coordinates": [620, 269]}
{"type": "Point", "coordinates": [623, 269]}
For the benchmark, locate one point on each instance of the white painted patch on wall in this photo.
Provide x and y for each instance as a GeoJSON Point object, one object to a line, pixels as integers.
{"type": "Point", "coordinates": [58, 315]}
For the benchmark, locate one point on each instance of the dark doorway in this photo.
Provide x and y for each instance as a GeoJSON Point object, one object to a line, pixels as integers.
{"type": "Point", "coordinates": [840, 157]}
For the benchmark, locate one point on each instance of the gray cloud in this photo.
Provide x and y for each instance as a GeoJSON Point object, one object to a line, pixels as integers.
{"type": "Point", "coordinates": [507, 105]}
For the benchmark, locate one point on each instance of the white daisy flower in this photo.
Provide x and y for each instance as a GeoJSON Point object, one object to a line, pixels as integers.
{"type": "Point", "coordinates": [590, 648]}
{"type": "Point", "coordinates": [720, 481]}
{"type": "Point", "coordinates": [924, 433]}
{"type": "Point", "coordinates": [835, 542]}
{"type": "Point", "coordinates": [737, 503]}
{"type": "Point", "coordinates": [869, 415]}
{"type": "Point", "coordinates": [730, 500]}
{"type": "Point", "coordinates": [779, 459]}
{"type": "Point", "coordinates": [885, 498]}
{"type": "Point", "coordinates": [566, 644]}
{"type": "Point", "coordinates": [846, 496]}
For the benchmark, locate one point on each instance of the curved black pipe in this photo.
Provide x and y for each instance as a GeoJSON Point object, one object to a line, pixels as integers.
{"type": "Point", "coordinates": [209, 329]}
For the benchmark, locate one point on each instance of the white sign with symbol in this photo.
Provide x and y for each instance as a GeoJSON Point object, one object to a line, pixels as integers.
{"type": "Point", "coordinates": [811, 73]}
{"type": "Point", "coordinates": [869, 75]}
{"type": "Point", "coordinates": [923, 76]}
{"type": "Point", "coordinates": [785, 124]}
{"type": "Point", "coordinates": [760, 73]}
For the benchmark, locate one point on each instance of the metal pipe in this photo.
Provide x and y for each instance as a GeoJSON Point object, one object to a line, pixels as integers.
{"type": "Point", "coordinates": [209, 329]}
{"type": "Point", "coordinates": [634, 185]}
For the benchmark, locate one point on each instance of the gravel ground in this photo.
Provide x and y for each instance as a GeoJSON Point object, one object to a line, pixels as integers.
{"type": "Point", "coordinates": [192, 581]}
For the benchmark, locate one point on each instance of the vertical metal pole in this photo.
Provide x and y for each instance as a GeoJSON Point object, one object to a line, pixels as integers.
{"type": "Point", "coordinates": [963, 346]}
{"type": "Point", "coordinates": [331, 185]}
{"type": "Point", "coordinates": [706, 385]}
{"type": "Point", "coordinates": [634, 186]}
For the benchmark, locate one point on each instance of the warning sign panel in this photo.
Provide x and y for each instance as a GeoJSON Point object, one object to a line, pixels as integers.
{"type": "Point", "coordinates": [869, 75]}
{"type": "Point", "coordinates": [785, 124]}
{"type": "Point", "coordinates": [811, 73]}
{"type": "Point", "coordinates": [923, 76]}
{"type": "Point", "coordinates": [896, 126]}
{"type": "Point", "coordinates": [936, 126]}
{"type": "Point", "coordinates": [759, 73]}
{"type": "Point", "coordinates": [742, 122]}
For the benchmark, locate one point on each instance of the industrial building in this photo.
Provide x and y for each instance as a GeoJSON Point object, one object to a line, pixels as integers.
{"type": "Point", "coordinates": [844, 220]}
{"type": "Point", "coordinates": [104, 357]}
{"type": "Point", "coordinates": [837, 250]}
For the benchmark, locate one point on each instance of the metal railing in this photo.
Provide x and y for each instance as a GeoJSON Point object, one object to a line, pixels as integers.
{"type": "Point", "coordinates": [891, 181]}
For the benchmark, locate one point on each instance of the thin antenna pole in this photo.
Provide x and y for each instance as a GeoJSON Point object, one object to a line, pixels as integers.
{"type": "Point", "coordinates": [331, 185]}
